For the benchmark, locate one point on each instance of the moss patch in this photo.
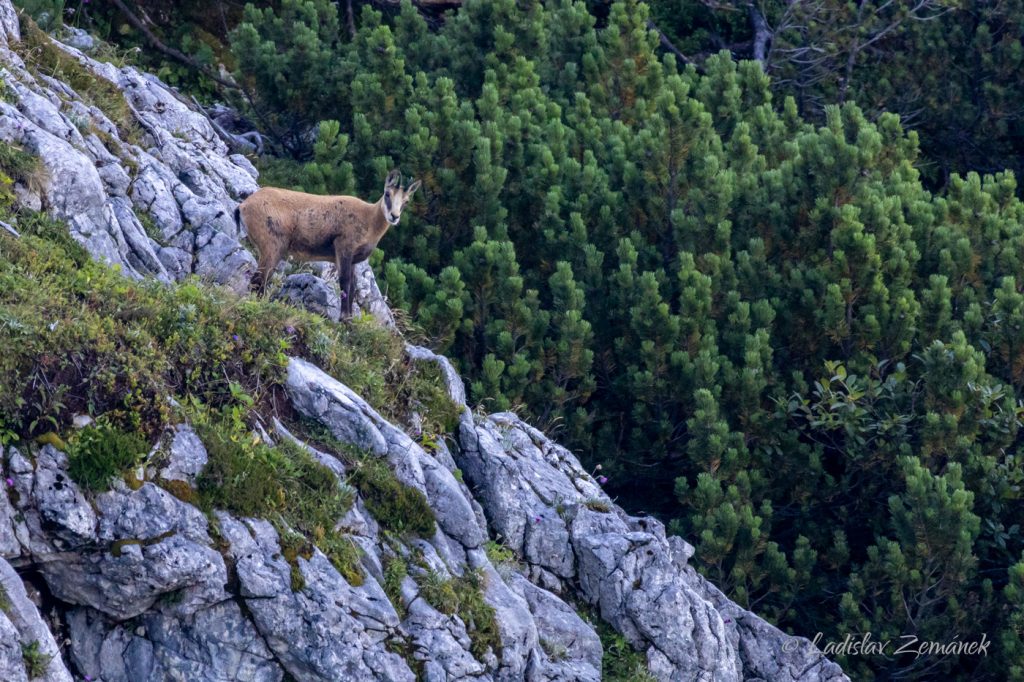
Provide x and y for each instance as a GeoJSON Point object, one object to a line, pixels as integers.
{"type": "Point", "coordinates": [180, 489]}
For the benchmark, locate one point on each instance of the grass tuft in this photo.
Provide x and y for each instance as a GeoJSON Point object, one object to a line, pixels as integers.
{"type": "Point", "coordinates": [395, 571]}
{"type": "Point", "coordinates": [464, 596]}
{"type": "Point", "coordinates": [620, 662]}
{"type": "Point", "coordinates": [100, 453]}
{"type": "Point", "coordinates": [17, 166]}
{"type": "Point", "coordinates": [395, 506]}
{"type": "Point", "coordinates": [281, 482]}
{"type": "Point", "coordinates": [36, 662]}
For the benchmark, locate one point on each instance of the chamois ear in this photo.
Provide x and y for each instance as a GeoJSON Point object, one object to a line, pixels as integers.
{"type": "Point", "coordinates": [412, 188]}
{"type": "Point", "coordinates": [394, 179]}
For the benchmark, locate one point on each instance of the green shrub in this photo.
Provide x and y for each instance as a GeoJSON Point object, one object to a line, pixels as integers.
{"type": "Point", "coordinates": [99, 453]}
{"type": "Point", "coordinates": [395, 571]}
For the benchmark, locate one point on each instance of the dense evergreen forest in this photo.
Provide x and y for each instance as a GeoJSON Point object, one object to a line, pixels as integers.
{"type": "Point", "coordinates": [758, 261]}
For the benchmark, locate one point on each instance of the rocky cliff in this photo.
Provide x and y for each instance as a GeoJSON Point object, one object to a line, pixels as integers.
{"type": "Point", "coordinates": [137, 583]}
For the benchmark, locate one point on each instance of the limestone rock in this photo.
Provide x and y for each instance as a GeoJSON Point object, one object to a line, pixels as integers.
{"type": "Point", "coordinates": [21, 626]}
{"type": "Point", "coordinates": [575, 539]}
{"type": "Point", "coordinates": [312, 293]}
{"type": "Point", "coordinates": [214, 643]}
{"type": "Point", "coordinates": [165, 167]}
{"type": "Point", "coordinates": [329, 630]}
{"type": "Point", "coordinates": [186, 455]}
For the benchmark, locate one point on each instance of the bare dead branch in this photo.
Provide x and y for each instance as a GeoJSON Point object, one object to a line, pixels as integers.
{"type": "Point", "coordinates": [171, 52]}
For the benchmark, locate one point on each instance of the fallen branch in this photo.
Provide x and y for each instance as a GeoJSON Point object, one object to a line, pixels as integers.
{"type": "Point", "coordinates": [168, 50]}
{"type": "Point", "coordinates": [667, 44]}
{"type": "Point", "coordinates": [251, 141]}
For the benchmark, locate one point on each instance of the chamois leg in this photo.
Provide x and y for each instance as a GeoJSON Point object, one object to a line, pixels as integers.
{"type": "Point", "coordinates": [264, 270]}
{"type": "Point", "coordinates": [350, 294]}
{"type": "Point", "coordinates": [343, 262]}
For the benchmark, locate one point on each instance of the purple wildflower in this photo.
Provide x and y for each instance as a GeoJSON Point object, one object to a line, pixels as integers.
{"type": "Point", "coordinates": [290, 329]}
{"type": "Point", "coordinates": [10, 482]}
{"type": "Point", "coordinates": [234, 337]}
{"type": "Point", "coordinates": [602, 479]}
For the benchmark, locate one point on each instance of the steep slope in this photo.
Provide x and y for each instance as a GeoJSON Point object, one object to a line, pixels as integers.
{"type": "Point", "coordinates": [138, 583]}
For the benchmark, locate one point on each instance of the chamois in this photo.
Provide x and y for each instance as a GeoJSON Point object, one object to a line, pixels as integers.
{"type": "Point", "coordinates": [312, 227]}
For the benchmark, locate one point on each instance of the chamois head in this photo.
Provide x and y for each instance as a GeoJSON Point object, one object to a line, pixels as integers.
{"type": "Point", "coordinates": [395, 197]}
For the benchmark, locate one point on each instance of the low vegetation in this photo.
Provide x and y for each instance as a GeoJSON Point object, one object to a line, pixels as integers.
{"type": "Point", "coordinates": [36, 661]}
{"type": "Point", "coordinates": [17, 166]}
{"type": "Point", "coordinates": [43, 56]}
{"type": "Point", "coordinates": [621, 662]}
{"type": "Point", "coordinates": [281, 482]}
{"type": "Point", "coordinates": [83, 339]}
{"type": "Point", "coordinates": [398, 508]}
{"type": "Point", "coordinates": [464, 596]}
{"type": "Point", "coordinates": [395, 571]}
{"type": "Point", "coordinates": [80, 338]}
